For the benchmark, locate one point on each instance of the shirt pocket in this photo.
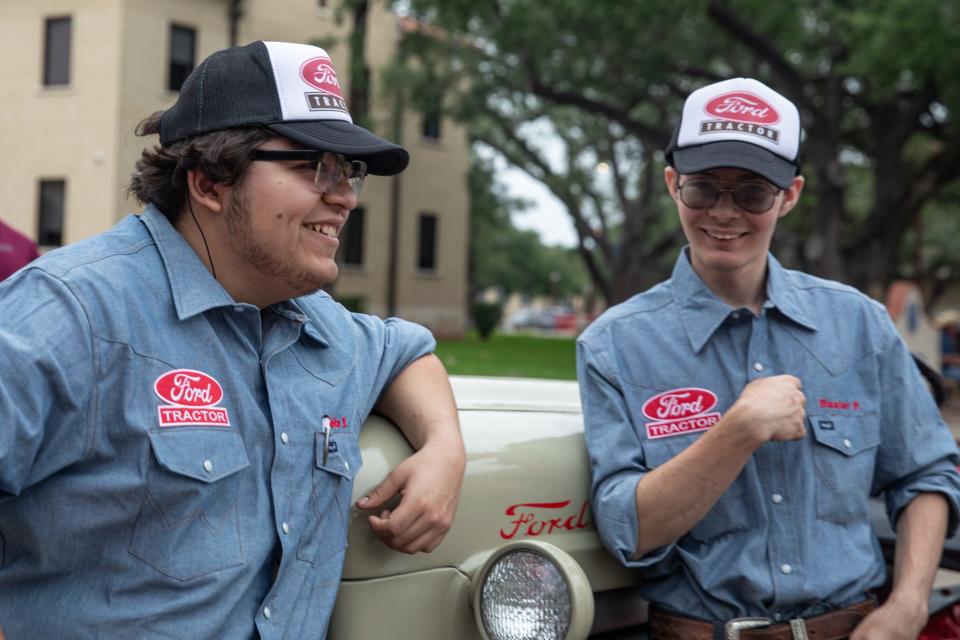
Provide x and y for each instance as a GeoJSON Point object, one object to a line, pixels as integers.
{"type": "Point", "coordinates": [844, 457]}
{"type": "Point", "coordinates": [188, 525]}
{"type": "Point", "coordinates": [333, 475]}
{"type": "Point", "coordinates": [728, 514]}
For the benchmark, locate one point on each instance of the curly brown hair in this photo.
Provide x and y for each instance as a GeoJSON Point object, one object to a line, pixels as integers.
{"type": "Point", "coordinates": [160, 175]}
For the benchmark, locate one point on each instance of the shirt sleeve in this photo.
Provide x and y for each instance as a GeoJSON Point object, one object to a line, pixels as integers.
{"type": "Point", "coordinates": [617, 464]}
{"type": "Point", "coordinates": [917, 453]}
{"type": "Point", "coordinates": [47, 380]}
{"type": "Point", "coordinates": [387, 347]}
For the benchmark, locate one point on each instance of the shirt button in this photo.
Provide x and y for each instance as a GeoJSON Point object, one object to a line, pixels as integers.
{"type": "Point", "coordinates": [847, 443]}
{"type": "Point", "coordinates": [284, 438]}
{"type": "Point", "coordinates": [777, 498]}
{"type": "Point", "coordinates": [786, 569]}
{"type": "Point", "coordinates": [735, 315]}
{"type": "Point", "coordinates": [238, 309]}
{"type": "Point", "coordinates": [757, 366]}
{"type": "Point", "coordinates": [346, 465]}
{"type": "Point", "coordinates": [207, 466]}
{"type": "Point", "coordinates": [266, 612]}
{"type": "Point", "coordinates": [285, 527]}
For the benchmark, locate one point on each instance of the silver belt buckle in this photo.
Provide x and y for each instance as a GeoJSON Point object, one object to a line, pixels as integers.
{"type": "Point", "coordinates": [731, 630]}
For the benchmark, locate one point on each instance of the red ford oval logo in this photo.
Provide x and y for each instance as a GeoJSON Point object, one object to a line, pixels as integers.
{"type": "Point", "coordinates": [742, 107]}
{"type": "Point", "coordinates": [319, 73]}
{"type": "Point", "coordinates": [679, 403]}
{"type": "Point", "coordinates": [188, 388]}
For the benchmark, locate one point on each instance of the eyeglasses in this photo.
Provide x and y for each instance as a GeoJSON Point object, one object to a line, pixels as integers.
{"type": "Point", "coordinates": [752, 197]}
{"type": "Point", "coordinates": [329, 169]}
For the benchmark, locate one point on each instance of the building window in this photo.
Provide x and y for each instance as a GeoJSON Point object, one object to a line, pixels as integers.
{"type": "Point", "coordinates": [56, 51]}
{"type": "Point", "coordinates": [351, 239]}
{"type": "Point", "coordinates": [431, 122]}
{"type": "Point", "coordinates": [427, 253]}
{"type": "Point", "coordinates": [50, 213]}
{"type": "Point", "coordinates": [183, 55]}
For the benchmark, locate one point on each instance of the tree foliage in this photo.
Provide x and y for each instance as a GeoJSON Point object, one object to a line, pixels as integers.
{"type": "Point", "coordinates": [875, 84]}
{"type": "Point", "coordinates": [509, 259]}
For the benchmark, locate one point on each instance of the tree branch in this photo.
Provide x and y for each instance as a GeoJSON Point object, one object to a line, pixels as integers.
{"type": "Point", "coordinates": [793, 82]}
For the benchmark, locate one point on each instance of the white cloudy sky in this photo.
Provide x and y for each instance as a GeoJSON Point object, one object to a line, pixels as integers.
{"type": "Point", "coordinates": [547, 215]}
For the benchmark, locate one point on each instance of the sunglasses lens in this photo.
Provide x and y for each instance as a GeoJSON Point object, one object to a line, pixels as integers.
{"type": "Point", "coordinates": [699, 194]}
{"type": "Point", "coordinates": [334, 168]}
{"type": "Point", "coordinates": [753, 198]}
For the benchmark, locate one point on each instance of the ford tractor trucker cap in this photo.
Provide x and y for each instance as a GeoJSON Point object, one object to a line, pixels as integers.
{"type": "Point", "coordinates": [291, 89]}
{"type": "Point", "coordinates": [739, 123]}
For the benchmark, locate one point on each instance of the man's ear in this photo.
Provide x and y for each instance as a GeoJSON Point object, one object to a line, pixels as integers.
{"type": "Point", "coordinates": [791, 195]}
{"type": "Point", "coordinates": [670, 176]}
{"type": "Point", "coordinates": [205, 191]}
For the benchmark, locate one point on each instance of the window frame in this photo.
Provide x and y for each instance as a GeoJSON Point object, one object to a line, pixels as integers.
{"type": "Point", "coordinates": [422, 228]}
{"type": "Point", "coordinates": [352, 240]}
{"type": "Point", "coordinates": [52, 66]}
{"type": "Point", "coordinates": [46, 236]}
{"type": "Point", "coordinates": [174, 27]}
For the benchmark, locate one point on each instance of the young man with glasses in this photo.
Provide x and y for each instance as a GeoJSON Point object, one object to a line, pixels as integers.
{"type": "Point", "coordinates": [180, 404]}
{"type": "Point", "coordinates": [740, 415]}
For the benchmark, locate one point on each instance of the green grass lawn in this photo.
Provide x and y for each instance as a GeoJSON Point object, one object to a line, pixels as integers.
{"type": "Point", "coordinates": [516, 356]}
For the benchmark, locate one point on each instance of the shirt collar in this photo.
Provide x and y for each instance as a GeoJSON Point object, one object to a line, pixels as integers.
{"type": "Point", "coordinates": [702, 312]}
{"type": "Point", "coordinates": [312, 328]}
{"type": "Point", "coordinates": [783, 295]}
{"type": "Point", "coordinates": [194, 289]}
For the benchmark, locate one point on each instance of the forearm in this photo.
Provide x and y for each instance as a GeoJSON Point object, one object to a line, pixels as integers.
{"type": "Point", "coordinates": [675, 496]}
{"type": "Point", "coordinates": [921, 530]}
{"type": "Point", "coordinates": [420, 402]}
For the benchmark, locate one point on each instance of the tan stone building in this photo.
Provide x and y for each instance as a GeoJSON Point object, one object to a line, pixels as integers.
{"type": "Point", "coordinates": [79, 74]}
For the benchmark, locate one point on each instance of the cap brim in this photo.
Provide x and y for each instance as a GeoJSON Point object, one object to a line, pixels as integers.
{"type": "Point", "coordinates": [356, 143]}
{"type": "Point", "coordinates": [735, 155]}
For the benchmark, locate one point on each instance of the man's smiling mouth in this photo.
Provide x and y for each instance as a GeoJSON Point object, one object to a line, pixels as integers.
{"type": "Point", "coordinates": [329, 230]}
{"type": "Point", "coordinates": [716, 235]}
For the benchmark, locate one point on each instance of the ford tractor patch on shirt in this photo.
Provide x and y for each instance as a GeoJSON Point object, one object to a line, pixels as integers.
{"type": "Point", "coordinates": [191, 398]}
{"type": "Point", "coordinates": [680, 411]}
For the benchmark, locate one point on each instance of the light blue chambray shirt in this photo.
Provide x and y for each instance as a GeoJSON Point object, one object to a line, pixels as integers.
{"type": "Point", "coordinates": [119, 518]}
{"type": "Point", "coordinates": [791, 536]}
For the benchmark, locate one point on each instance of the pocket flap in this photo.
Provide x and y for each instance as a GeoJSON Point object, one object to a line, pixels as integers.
{"type": "Point", "coordinates": [205, 454]}
{"type": "Point", "coordinates": [338, 459]}
{"type": "Point", "coordinates": [848, 435]}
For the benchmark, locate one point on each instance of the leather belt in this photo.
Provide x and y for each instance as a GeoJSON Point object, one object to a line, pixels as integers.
{"type": "Point", "coordinates": [834, 625]}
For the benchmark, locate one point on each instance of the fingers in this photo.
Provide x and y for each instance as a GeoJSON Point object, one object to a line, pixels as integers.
{"type": "Point", "coordinates": [419, 536]}
{"type": "Point", "coordinates": [410, 527]}
{"type": "Point", "coordinates": [382, 493]}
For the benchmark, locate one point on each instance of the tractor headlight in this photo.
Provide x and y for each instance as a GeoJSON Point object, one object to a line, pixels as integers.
{"type": "Point", "coordinates": [532, 590]}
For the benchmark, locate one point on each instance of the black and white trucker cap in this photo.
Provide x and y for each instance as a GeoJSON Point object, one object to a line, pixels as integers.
{"type": "Point", "coordinates": [739, 123]}
{"type": "Point", "coordinates": [289, 88]}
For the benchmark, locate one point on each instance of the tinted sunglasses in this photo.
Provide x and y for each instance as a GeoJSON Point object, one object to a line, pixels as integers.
{"type": "Point", "coordinates": [752, 197]}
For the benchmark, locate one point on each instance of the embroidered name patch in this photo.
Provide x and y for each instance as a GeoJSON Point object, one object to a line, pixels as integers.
{"type": "Point", "coordinates": [680, 411]}
{"type": "Point", "coordinates": [839, 404]}
{"type": "Point", "coordinates": [191, 398]}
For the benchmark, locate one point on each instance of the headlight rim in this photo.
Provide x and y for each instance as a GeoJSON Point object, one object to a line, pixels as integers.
{"type": "Point", "coordinates": [581, 594]}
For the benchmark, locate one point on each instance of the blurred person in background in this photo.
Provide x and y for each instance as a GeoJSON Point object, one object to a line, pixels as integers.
{"type": "Point", "coordinates": [16, 250]}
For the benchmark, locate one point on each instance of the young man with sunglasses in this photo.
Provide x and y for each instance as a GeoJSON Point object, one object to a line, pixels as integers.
{"type": "Point", "coordinates": [740, 415]}
{"type": "Point", "coordinates": [180, 405]}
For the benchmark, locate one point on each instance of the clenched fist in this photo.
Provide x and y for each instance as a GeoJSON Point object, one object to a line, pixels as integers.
{"type": "Point", "coordinates": [772, 408]}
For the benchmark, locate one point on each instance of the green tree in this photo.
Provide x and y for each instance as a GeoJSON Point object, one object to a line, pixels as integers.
{"type": "Point", "coordinates": [875, 83]}
{"type": "Point", "coordinates": [507, 258]}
